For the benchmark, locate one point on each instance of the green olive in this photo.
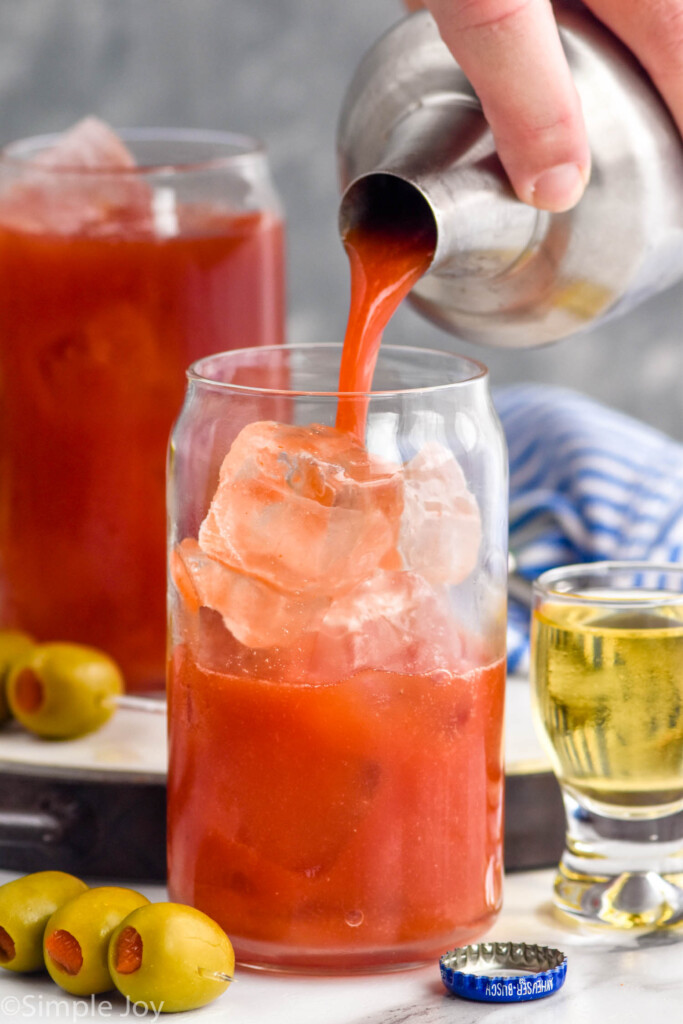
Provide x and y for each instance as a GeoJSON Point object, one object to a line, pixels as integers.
{"type": "Point", "coordinates": [77, 938]}
{"type": "Point", "coordinates": [170, 957]}
{"type": "Point", "coordinates": [13, 643]}
{"type": "Point", "coordinates": [62, 691]}
{"type": "Point", "coordinates": [26, 904]}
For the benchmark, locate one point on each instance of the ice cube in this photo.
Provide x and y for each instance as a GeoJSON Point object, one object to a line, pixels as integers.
{"type": "Point", "coordinates": [393, 622]}
{"type": "Point", "coordinates": [305, 509]}
{"type": "Point", "coordinates": [441, 526]}
{"type": "Point", "coordinates": [256, 614]}
{"type": "Point", "coordinates": [85, 183]}
{"type": "Point", "coordinates": [88, 145]}
{"type": "Point", "coordinates": [99, 354]}
{"type": "Point", "coordinates": [290, 796]}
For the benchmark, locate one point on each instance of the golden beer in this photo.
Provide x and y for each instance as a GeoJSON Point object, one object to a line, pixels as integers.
{"type": "Point", "coordinates": [607, 685]}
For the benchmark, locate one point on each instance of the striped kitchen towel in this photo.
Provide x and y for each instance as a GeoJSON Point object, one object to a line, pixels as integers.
{"type": "Point", "coordinates": [587, 483]}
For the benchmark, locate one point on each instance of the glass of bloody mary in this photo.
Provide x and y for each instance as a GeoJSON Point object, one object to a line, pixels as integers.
{"type": "Point", "coordinates": [122, 260]}
{"type": "Point", "coordinates": [336, 660]}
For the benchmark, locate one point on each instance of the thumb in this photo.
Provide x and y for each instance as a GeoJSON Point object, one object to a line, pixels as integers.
{"type": "Point", "coordinates": [511, 52]}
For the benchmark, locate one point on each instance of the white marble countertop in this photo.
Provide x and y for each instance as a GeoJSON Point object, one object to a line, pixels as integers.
{"type": "Point", "coordinates": [610, 980]}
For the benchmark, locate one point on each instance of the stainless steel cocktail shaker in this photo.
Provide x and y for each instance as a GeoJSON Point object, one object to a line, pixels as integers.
{"type": "Point", "coordinates": [503, 273]}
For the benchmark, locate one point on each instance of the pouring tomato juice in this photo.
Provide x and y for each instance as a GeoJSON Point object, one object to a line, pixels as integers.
{"type": "Point", "coordinates": [331, 818]}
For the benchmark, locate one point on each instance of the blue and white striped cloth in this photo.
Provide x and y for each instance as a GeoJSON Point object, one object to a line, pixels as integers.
{"type": "Point", "coordinates": [587, 483]}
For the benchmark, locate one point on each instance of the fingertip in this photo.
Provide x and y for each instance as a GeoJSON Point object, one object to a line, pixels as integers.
{"type": "Point", "coordinates": [556, 189]}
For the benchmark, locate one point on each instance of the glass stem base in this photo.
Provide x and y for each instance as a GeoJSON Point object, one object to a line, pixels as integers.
{"type": "Point", "coordinates": [620, 872]}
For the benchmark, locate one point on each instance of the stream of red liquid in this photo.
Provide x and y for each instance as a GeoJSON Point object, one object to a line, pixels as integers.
{"type": "Point", "coordinates": [385, 262]}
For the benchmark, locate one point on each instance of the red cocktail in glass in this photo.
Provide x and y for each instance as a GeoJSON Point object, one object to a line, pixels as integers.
{"type": "Point", "coordinates": [336, 674]}
{"type": "Point", "coordinates": [111, 282]}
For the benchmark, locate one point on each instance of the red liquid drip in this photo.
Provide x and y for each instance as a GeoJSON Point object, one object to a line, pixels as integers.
{"type": "Point", "coordinates": [385, 263]}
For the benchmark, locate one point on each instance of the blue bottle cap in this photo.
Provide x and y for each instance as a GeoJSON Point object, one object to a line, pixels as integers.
{"type": "Point", "coordinates": [503, 972]}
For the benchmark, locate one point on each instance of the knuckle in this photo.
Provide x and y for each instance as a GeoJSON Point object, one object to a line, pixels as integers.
{"type": "Point", "coordinates": [555, 122]}
{"type": "Point", "coordinates": [542, 127]}
{"type": "Point", "coordinates": [489, 14]}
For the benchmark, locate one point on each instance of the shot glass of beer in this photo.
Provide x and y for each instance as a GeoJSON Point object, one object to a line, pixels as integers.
{"type": "Point", "coordinates": [607, 692]}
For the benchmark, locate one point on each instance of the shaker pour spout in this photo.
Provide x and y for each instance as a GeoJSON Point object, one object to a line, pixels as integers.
{"type": "Point", "coordinates": [439, 172]}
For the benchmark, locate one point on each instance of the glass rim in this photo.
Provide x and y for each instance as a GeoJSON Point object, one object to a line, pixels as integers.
{"type": "Point", "coordinates": [545, 585]}
{"type": "Point", "coordinates": [243, 148]}
{"type": "Point", "coordinates": [194, 373]}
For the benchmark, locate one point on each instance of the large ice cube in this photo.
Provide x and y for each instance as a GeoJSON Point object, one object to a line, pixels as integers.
{"type": "Point", "coordinates": [441, 526]}
{"type": "Point", "coordinates": [393, 622]}
{"type": "Point", "coordinates": [88, 145]}
{"type": "Point", "coordinates": [256, 614]}
{"type": "Point", "coordinates": [305, 509]}
{"type": "Point", "coordinates": [85, 183]}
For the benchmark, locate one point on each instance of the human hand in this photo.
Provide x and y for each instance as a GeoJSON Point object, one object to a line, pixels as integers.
{"type": "Point", "coordinates": [511, 52]}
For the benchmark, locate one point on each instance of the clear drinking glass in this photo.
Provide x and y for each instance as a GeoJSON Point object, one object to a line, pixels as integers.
{"type": "Point", "coordinates": [607, 685]}
{"type": "Point", "coordinates": [337, 658]}
{"type": "Point", "coordinates": [111, 283]}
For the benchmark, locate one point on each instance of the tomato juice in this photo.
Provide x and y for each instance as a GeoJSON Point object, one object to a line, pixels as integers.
{"type": "Point", "coordinates": [342, 825]}
{"type": "Point", "coordinates": [96, 333]}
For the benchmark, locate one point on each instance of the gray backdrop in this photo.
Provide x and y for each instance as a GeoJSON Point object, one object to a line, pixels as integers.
{"type": "Point", "coordinates": [278, 69]}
